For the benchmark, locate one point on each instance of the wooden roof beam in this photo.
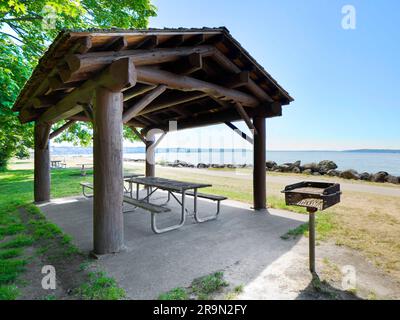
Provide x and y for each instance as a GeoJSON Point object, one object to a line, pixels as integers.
{"type": "Point", "coordinates": [27, 114]}
{"type": "Point", "coordinates": [46, 101]}
{"type": "Point", "coordinates": [138, 134]}
{"type": "Point", "coordinates": [213, 118]}
{"type": "Point", "coordinates": [236, 80]}
{"type": "Point", "coordinates": [80, 63]}
{"type": "Point", "coordinates": [185, 83]}
{"type": "Point", "coordinates": [137, 90]}
{"type": "Point", "coordinates": [142, 103]}
{"type": "Point", "coordinates": [243, 114]}
{"type": "Point", "coordinates": [64, 127]}
{"type": "Point", "coordinates": [118, 75]}
{"type": "Point", "coordinates": [174, 41]}
{"type": "Point", "coordinates": [252, 86]}
{"type": "Point", "coordinates": [195, 40]}
{"type": "Point", "coordinates": [188, 64]}
{"type": "Point", "coordinates": [55, 84]}
{"type": "Point", "coordinates": [149, 42]}
{"type": "Point", "coordinates": [167, 103]}
{"type": "Point", "coordinates": [119, 44]}
{"type": "Point", "coordinates": [84, 44]}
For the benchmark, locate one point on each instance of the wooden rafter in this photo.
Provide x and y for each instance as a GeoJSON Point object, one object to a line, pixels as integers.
{"type": "Point", "coordinates": [229, 65]}
{"type": "Point", "coordinates": [206, 119]}
{"type": "Point", "coordinates": [137, 90]}
{"type": "Point", "coordinates": [119, 44]}
{"type": "Point", "coordinates": [161, 104]}
{"type": "Point", "coordinates": [80, 63]}
{"type": "Point", "coordinates": [188, 64]}
{"type": "Point", "coordinates": [142, 103]}
{"type": "Point", "coordinates": [147, 43]}
{"type": "Point", "coordinates": [119, 74]}
{"type": "Point", "coordinates": [185, 83]}
{"type": "Point", "coordinates": [138, 134]}
{"type": "Point", "coordinates": [243, 114]}
{"type": "Point", "coordinates": [64, 127]}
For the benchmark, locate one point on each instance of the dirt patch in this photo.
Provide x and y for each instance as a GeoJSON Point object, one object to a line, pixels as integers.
{"type": "Point", "coordinates": [68, 266]}
{"type": "Point", "coordinates": [288, 278]}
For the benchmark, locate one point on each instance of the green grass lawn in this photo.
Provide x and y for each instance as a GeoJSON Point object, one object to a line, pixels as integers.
{"type": "Point", "coordinates": [17, 234]}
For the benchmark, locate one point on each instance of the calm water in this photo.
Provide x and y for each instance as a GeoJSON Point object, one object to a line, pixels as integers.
{"type": "Point", "coordinates": [360, 161]}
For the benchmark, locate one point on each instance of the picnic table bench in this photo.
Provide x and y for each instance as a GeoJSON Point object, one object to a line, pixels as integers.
{"type": "Point", "coordinates": [57, 164]}
{"type": "Point", "coordinates": [172, 187]}
{"type": "Point", "coordinates": [182, 188]}
{"type": "Point", "coordinates": [150, 207]}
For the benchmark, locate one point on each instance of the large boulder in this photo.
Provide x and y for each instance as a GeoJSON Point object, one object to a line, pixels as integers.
{"type": "Point", "coordinates": [350, 174]}
{"type": "Point", "coordinates": [297, 163]}
{"type": "Point", "coordinates": [379, 176]}
{"type": "Point", "coordinates": [333, 173]}
{"type": "Point", "coordinates": [270, 164]}
{"type": "Point", "coordinates": [310, 166]}
{"type": "Point", "coordinates": [365, 176]}
{"type": "Point", "coordinates": [286, 167]}
{"type": "Point", "coordinates": [325, 165]}
{"type": "Point", "coordinates": [307, 171]}
{"type": "Point", "coordinates": [202, 166]}
{"type": "Point", "coordinates": [296, 170]}
{"type": "Point", "coordinates": [393, 179]}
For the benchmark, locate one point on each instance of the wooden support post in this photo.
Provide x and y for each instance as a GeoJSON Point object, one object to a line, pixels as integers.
{"type": "Point", "coordinates": [150, 155]}
{"type": "Point", "coordinates": [108, 223]}
{"type": "Point", "coordinates": [259, 171]}
{"type": "Point", "coordinates": [42, 163]}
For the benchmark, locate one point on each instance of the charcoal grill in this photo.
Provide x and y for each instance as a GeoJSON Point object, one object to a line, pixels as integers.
{"type": "Point", "coordinates": [314, 196]}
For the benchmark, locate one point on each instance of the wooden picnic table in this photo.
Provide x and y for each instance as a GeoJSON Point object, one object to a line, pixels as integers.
{"type": "Point", "coordinates": [127, 178]}
{"type": "Point", "coordinates": [172, 187]}
{"type": "Point", "coordinates": [56, 163]}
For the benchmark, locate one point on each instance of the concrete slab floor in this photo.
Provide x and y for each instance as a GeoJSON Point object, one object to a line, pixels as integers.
{"type": "Point", "coordinates": [242, 242]}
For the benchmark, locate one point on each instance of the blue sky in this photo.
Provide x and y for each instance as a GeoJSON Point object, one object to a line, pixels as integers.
{"type": "Point", "coordinates": [345, 83]}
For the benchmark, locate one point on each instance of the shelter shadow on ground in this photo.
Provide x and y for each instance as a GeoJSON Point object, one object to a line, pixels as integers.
{"type": "Point", "coordinates": [152, 264]}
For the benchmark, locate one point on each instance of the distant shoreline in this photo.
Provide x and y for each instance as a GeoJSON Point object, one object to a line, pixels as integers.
{"type": "Point", "coordinates": [88, 150]}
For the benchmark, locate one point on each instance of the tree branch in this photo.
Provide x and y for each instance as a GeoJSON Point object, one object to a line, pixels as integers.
{"type": "Point", "coordinates": [22, 19]}
{"type": "Point", "coordinates": [10, 35]}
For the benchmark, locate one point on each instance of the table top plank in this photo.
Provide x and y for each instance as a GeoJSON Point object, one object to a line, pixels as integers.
{"type": "Point", "coordinates": [168, 184]}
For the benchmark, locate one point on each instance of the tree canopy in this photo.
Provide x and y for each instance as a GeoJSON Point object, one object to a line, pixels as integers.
{"type": "Point", "coordinates": [26, 30]}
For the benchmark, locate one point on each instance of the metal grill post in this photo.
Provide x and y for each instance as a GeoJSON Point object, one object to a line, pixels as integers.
{"type": "Point", "coordinates": [311, 238]}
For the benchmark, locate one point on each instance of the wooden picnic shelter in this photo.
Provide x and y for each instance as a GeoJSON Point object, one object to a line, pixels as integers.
{"type": "Point", "coordinates": [148, 80]}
